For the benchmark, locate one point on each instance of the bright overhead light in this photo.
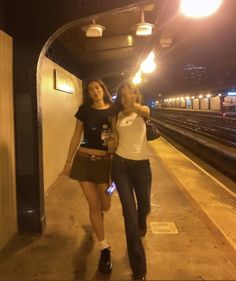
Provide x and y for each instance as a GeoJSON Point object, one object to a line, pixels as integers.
{"type": "Point", "coordinates": [149, 65]}
{"type": "Point", "coordinates": [199, 8]}
{"type": "Point", "coordinates": [137, 78]}
{"type": "Point", "coordinates": [143, 28]}
{"type": "Point", "coordinates": [151, 56]}
{"type": "Point", "coordinates": [93, 30]}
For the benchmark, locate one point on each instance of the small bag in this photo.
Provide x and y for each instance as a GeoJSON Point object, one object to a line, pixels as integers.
{"type": "Point", "coordinates": [151, 130]}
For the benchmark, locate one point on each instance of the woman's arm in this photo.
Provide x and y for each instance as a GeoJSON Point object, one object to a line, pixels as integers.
{"type": "Point", "coordinates": [142, 110]}
{"type": "Point", "coordinates": [74, 143]}
{"type": "Point", "coordinates": [130, 104]}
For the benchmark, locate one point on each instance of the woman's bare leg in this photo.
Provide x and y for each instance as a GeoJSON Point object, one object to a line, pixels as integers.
{"type": "Point", "coordinates": [105, 199]}
{"type": "Point", "coordinates": [96, 203]}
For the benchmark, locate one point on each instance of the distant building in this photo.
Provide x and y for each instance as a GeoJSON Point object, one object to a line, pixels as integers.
{"type": "Point", "coordinates": [195, 76]}
{"type": "Point", "coordinates": [227, 74]}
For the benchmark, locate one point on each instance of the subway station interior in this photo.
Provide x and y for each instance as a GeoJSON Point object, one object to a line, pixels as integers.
{"type": "Point", "coordinates": [183, 61]}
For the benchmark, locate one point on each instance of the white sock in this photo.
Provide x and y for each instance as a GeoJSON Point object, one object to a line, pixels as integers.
{"type": "Point", "coordinates": [104, 244]}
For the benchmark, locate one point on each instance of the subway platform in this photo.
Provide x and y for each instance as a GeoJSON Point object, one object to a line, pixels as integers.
{"type": "Point", "coordinates": [191, 230]}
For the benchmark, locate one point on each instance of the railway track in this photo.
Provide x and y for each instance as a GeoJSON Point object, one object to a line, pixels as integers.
{"type": "Point", "coordinates": [213, 142]}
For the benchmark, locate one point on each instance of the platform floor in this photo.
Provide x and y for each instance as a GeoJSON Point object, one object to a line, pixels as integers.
{"type": "Point", "coordinates": [191, 230]}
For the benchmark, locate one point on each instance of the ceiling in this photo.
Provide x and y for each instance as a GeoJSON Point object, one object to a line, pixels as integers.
{"type": "Point", "coordinates": [117, 55]}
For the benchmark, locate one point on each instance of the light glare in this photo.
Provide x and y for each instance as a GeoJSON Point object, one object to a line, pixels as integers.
{"type": "Point", "coordinates": [199, 8]}
{"type": "Point", "coordinates": [149, 65]}
{"type": "Point", "coordinates": [137, 78]}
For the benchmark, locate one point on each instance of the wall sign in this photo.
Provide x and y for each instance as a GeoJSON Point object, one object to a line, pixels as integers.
{"type": "Point", "coordinates": [62, 82]}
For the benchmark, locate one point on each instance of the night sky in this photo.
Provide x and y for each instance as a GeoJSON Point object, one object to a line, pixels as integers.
{"type": "Point", "coordinates": [207, 42]}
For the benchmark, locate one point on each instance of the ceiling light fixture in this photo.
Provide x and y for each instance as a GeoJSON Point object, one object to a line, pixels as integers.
{"type": "Point", "coordinates": [165, 42]}
{"type": "Point", "coordinates": [93, 30]}
{"type": "Point", "coordinates": [143, 28]}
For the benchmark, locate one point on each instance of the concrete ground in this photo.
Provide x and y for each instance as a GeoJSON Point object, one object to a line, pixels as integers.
{"type": "Point", "coordinates": [190, 230]}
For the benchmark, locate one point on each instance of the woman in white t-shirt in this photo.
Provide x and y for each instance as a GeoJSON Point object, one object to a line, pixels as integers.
{"type": "Point", "coordinates": [132, 173]}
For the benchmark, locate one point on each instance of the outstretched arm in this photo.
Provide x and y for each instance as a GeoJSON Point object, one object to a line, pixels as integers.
{"type": "Point", "coordinates": [130, 104]}
{"type": "Point", "coordinates": [142, 110]}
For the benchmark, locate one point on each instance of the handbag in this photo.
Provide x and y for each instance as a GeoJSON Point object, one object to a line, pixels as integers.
{"type": "Point", "coordinates": [152, 131]}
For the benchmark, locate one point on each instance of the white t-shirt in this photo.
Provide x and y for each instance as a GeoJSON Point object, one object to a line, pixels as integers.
{"type": "Point", "coordinates": [132, 142]}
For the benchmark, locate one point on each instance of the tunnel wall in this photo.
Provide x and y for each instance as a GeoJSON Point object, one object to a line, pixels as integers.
{"type": "Point", "coordinates": [8, 221]}
{"type": "Point", "coordinates": [58, 109]}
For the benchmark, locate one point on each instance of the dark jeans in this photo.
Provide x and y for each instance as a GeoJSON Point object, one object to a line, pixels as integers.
{"type": "Point", "coordinates": [133, 179]}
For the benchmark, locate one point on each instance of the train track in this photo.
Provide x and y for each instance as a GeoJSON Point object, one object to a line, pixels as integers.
{"type": "Point", "coordinates": [212, 141]}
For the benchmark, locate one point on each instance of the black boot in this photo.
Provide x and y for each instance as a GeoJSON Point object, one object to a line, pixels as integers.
{"type": "Point", "coordinates": [139, 277]}
{"type": "Point", "coordinates": [105, 264]}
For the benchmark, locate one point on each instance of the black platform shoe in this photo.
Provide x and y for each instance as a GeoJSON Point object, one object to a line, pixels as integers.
{"type": "Point", "coordinates": [139, 277]}
{"type": "Point", "coordinates": [105, 264]}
